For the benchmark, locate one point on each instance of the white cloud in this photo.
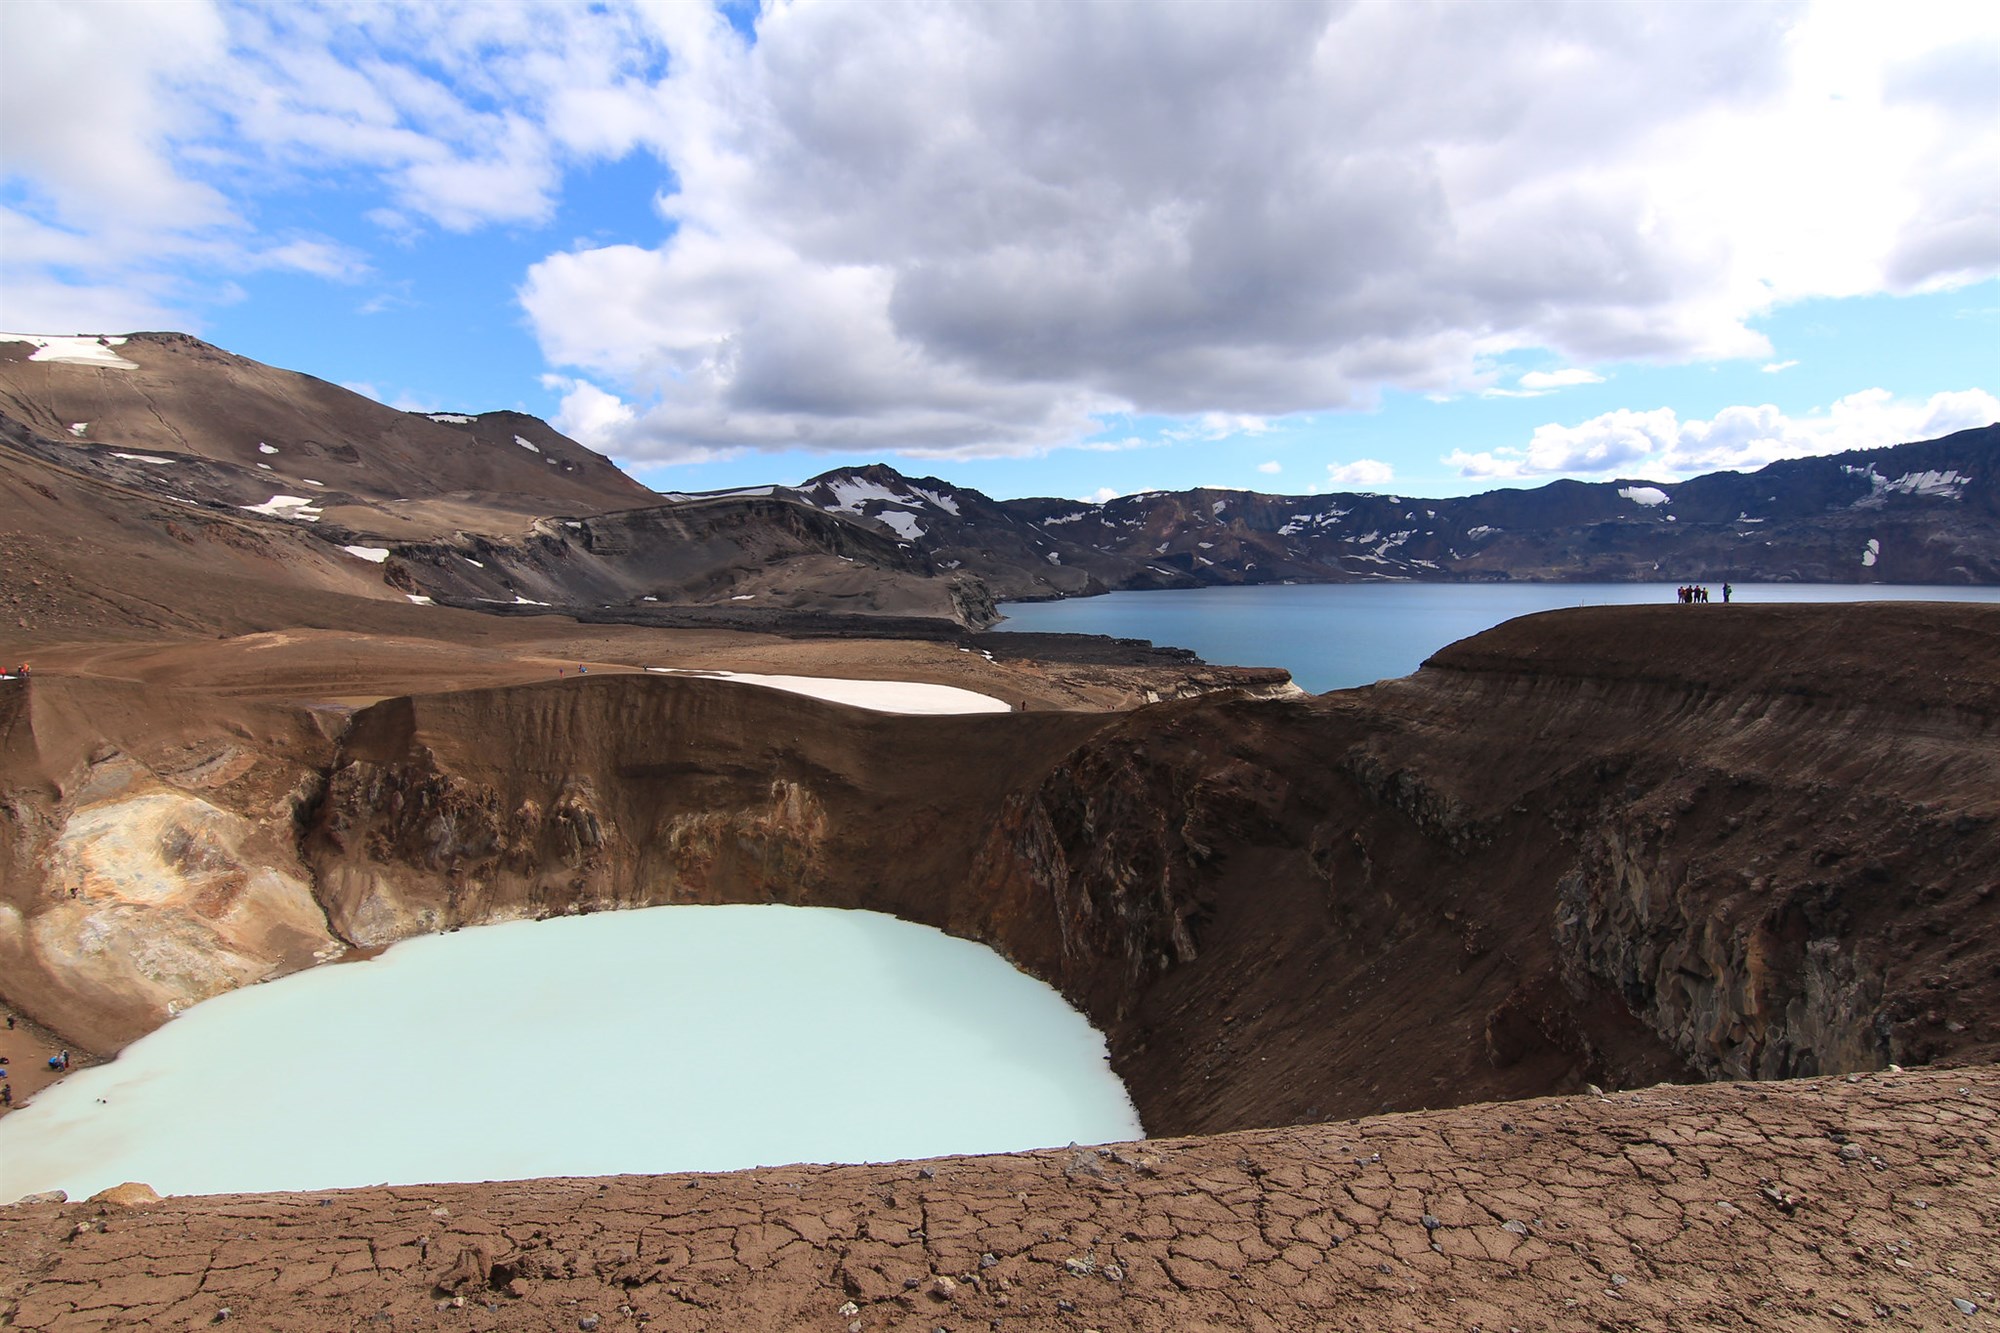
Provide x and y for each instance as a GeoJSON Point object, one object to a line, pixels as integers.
{"type": "Point", "coordinates": [1362, 472]}
{"type": "Point", "coordinates": [1661, 446]}
{"type": "Point", "coordinates": [1272, 467]}
{"type": "Point", "coordinates": [968, 228]}
{"type": "Point", "coordinates": [989, 222]}
{"type": "Point", "coordinates": [1776, 367]}
{"type": "Point", "coordinates": [1559, 379]}
{"type": "Point", "coordinates": [1100, 495]}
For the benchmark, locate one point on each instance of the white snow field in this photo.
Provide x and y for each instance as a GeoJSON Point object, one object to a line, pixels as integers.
{"type": "Point", "coordinates": [81, 349]}
{"type": "Point", "coordinates": [881, 696]}
{"type": "Point", "coordinates": [662, 1039]}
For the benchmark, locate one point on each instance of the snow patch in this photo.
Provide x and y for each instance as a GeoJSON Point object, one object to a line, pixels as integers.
{"type": "Point", "coordinates": [454, 418]}
{"type": "Point", "coordinates": [881, 696]}
{"type": "Point", "coordinates": [308, 481]}
{"type": "Point", "coordinates": [1053, 558]}
{"type": "Point", "coordinates": [265, 449]}
{"type": "Point", "coordinates": [144, 458]}
{"type": "Point", "coordinates": [903, 525]}
{"type": "Point", "coordinates": [476, 564]}
{"type": "Point", "coordinates": [1870, 553]}
{"type": "Point", "coordinates": [526, 444]}
{"type": "Point", "coordinates": [526, 601]}
{"type": "Point", "coordinates": [373, 554]}
{"type": "Point", "coordinates": [1483, 530]}
{"type": "Point", "coordinates": [79, 428]}
{"type": "Point", "coordinates": [1643, 495]}
{"type": "Point", "coordinates": [80, 350]}
{"type": "Point", "coordinates": [418, 599]}
{"type": "Point", "coordinates": [287, 506]}
{"type": "Point", "coordinates": [682, 497]}
{"type": "Point", "coordinates": [944, 502]}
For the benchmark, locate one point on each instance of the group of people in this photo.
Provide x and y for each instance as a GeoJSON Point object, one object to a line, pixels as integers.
{"type": "Point", "coordinates": [1691, 593]}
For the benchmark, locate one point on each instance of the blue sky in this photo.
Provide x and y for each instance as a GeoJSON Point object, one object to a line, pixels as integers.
{"type": "Point", "coordinates": [1061, 250]}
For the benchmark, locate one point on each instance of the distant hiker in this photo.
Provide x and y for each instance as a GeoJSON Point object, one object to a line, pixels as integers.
{"type": "Point", "coordinates": [582, 670]}
{"type": "Point", "coordinates": [6, 1094]}
{"type": "Point", "coordinates": [1726, 591]}
{"type": "Point", "coordinates": [10, 1022]}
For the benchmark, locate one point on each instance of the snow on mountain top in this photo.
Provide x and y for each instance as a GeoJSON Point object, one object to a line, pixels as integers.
{"type": "Point", "coordinates": [525, 444]}
{"type": "Point", "coordinates": [851, 493]}
{"type": "Point", "coordinates": [76, 350]}
{"type": "Point", "coordinates": [944, 502]}
{"type": "Point", "coordinates": [455, 418]}
{"type": "Point", "coordinates": [1643, 495]}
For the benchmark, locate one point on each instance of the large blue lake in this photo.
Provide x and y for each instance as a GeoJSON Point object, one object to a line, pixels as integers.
{"type": "Point", "coordinates": [1336, 636]}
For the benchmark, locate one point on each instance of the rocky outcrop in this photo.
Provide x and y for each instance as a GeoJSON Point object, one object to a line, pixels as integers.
{"type": "Point", "coordinates": [141, 876]}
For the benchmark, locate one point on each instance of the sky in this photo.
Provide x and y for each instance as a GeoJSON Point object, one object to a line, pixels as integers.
{"type": "Point", "coordinates": [1057, 248]}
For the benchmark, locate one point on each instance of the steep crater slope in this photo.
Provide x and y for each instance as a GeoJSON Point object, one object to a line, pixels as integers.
{"type": "Point", "coordinates": [1618, 844]}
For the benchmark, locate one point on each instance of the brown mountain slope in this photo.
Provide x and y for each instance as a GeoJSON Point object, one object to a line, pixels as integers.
{"type": "Point", "coordinates": [267, 432]}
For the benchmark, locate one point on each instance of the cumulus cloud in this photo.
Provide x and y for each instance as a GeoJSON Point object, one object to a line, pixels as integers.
{"type": "Point", "coordinates": [1272, 467]}
{"type": "Point", "coordinates": [141, 138]}
{"type": "Point", "coordinates": [1661, 446]}
{"type": "Point", "coordinates": [972, 229]}
{"type": "Point", "coordinates": [1361, 473]}
{"type": "Point", "coordinates": [977, 225]}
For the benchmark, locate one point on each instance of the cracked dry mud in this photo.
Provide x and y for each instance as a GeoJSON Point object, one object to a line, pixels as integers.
{"type": "Point", "coordinates": [1862, 1201]}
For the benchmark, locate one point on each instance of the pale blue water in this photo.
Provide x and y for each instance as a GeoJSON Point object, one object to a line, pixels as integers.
{"type": "Point", "coordinates": [666, 1039]}
{"type": "Point", "coordinates": [1336, 636]}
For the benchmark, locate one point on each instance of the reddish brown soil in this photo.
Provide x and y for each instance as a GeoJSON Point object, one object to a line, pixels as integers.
{"type": "Point", "coordinates": [1835, 1203]}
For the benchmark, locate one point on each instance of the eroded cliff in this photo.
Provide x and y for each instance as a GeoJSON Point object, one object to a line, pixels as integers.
{"type": "Point", "coordinates": [1615, 845]}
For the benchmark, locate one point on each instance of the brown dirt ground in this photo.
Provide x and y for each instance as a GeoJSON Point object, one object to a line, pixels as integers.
{"type": "Point", "coordinates": [1864, 1201]}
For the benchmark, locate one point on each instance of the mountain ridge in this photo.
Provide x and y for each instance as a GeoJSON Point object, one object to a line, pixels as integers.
{"type": "Point", "coordinates": [500, 511]}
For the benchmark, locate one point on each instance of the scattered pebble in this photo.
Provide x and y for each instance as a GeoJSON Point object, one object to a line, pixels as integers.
{"type": "Point", "coordinates": [1964, 1306]}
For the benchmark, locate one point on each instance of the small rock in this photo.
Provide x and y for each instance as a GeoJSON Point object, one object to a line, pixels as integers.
{"type": "Point", "coordinates": [1432, 1223]}
{"type": "Point", "coordinates": [1619, 1279]}
{"type": "Point", "coordinates": [1113, 1272]}
{"type": "Point", "coordinates": [926, 1173]}
{"type": "Point", "coordinates": [129, 1195]}
{"type": "Point", "coordinates": [854, 1327]}
{"type": "Point", "coordinates": [1066, 1307]}
{"type": "Point", "coordinates": [221, 1315]}
{"type": "Point", "coordinates": [588, 1323]}
{"type": "Point", "coordinates": [1516, 1226]}
{"type": "Point", "coordinates": [988, 1260]}
{"type": "Point", "coordinates": [1082, 1267]}
{"type": "Point", "coordinates": [1852, 1152]}
{"type": "Point", "coordinates": [849, 1310]}
{"type": "Point", "coordinates": [46, 1196]}
{"type": "Point", "coordinates": [943, 1289]}
{"type": "Point", "coordinates": [1964, 1306]}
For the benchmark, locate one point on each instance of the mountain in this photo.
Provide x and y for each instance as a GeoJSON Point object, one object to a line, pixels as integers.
{"type": "Point", "coordinates": [1912, 513]}
{"type": "Point", "coordinates": [218, 468]}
